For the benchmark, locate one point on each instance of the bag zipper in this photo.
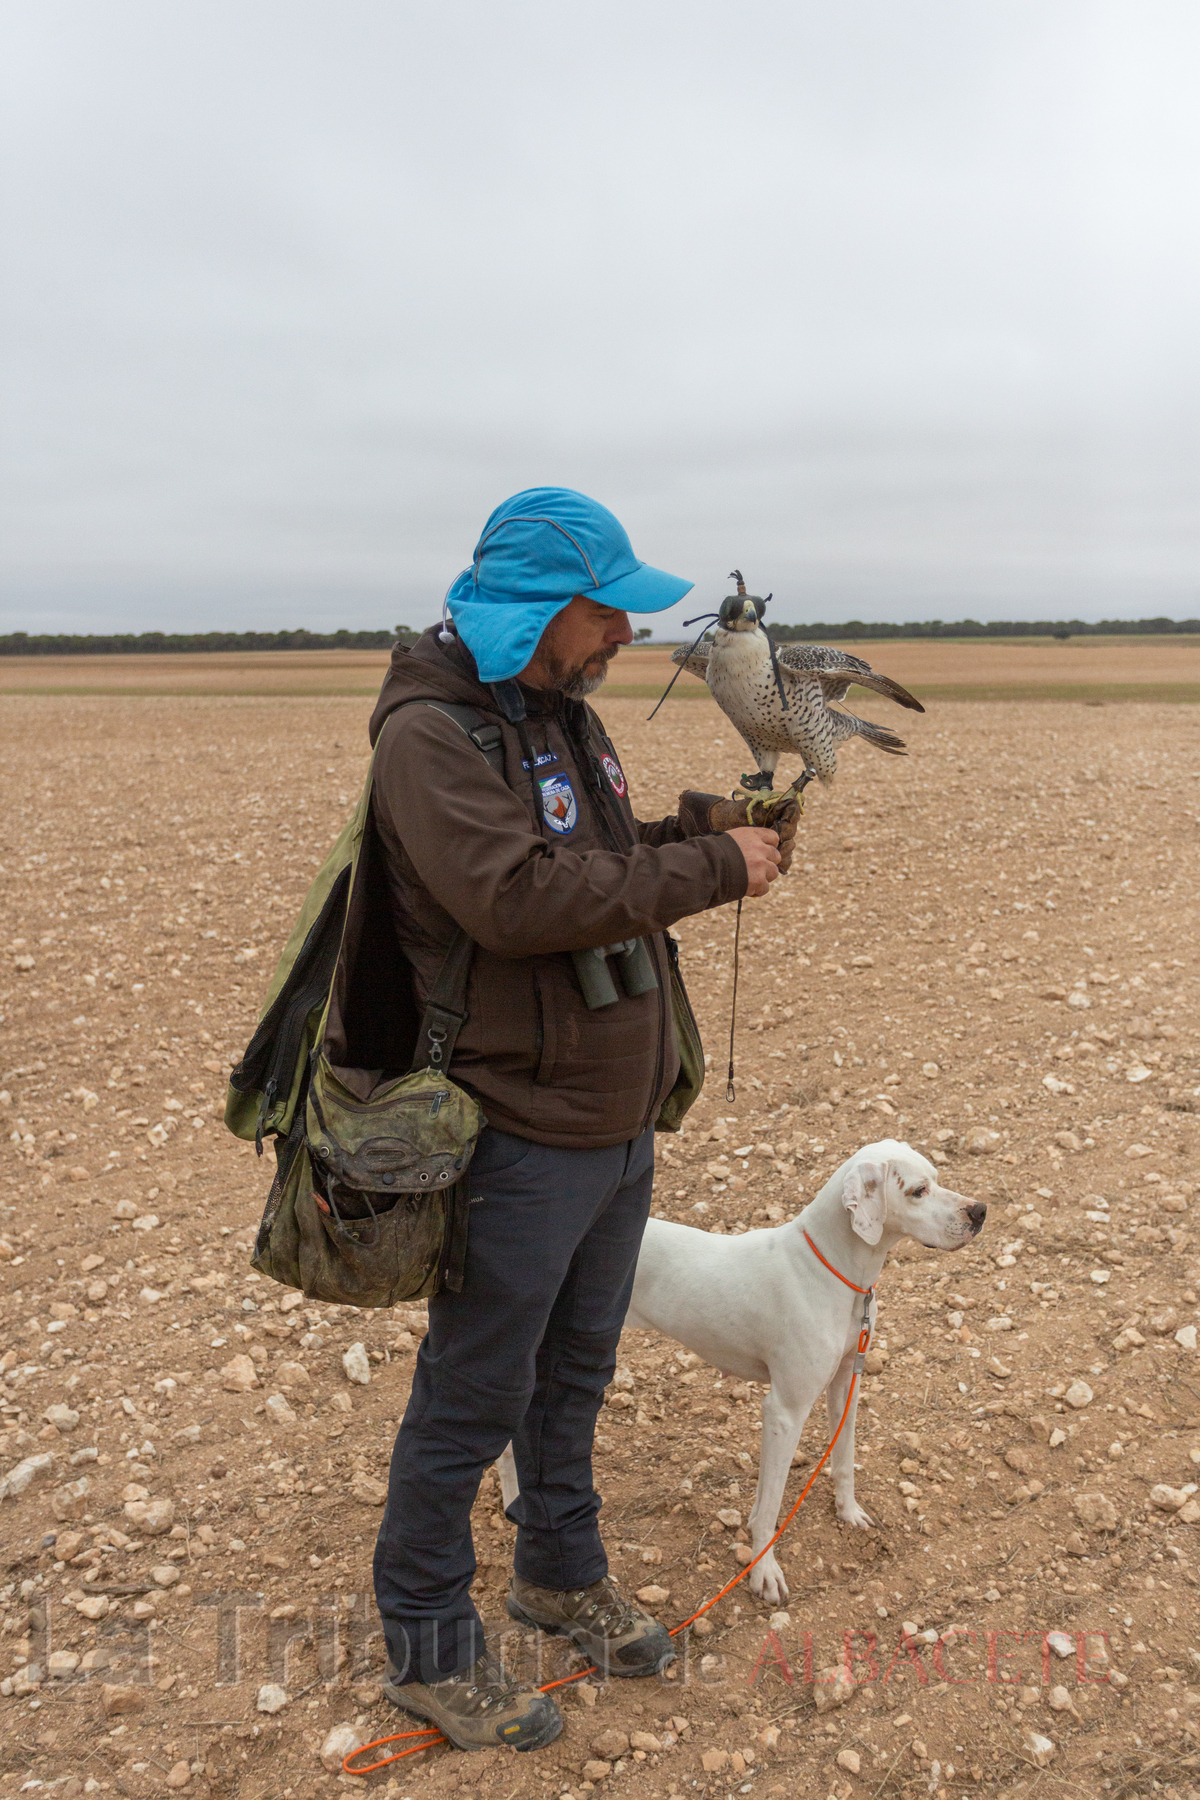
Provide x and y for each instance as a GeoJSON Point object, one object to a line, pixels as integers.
{"type": "Point", "coordinates": [264, 1107]}
{"type": "Point", "coordinates": [279, 1033]}
{"type": "Point", "coordinates": [287, 1048]}
{"type": "Point", "coordinates": [369, 1106]}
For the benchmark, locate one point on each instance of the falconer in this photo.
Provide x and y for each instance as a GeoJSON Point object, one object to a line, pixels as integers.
{"type": "Point", "coordinates": [534, 851]}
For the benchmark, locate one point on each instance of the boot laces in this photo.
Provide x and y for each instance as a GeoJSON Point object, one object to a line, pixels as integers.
{"type": "Point", "coordinates": [486, 1683]}
{"type": "Point", "coordinates": [610, 1611]}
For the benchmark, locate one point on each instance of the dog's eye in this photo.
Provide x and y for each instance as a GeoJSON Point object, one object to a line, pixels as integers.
{"type": "Point", "coordinates": [919, 1193]}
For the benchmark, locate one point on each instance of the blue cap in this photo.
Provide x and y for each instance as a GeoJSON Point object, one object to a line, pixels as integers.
{"type": "Point", "coordinates": [538, 550]}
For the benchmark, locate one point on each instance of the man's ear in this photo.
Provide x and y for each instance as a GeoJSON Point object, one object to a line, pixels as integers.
{"type": "Point", "coordinates": [863, 1199]}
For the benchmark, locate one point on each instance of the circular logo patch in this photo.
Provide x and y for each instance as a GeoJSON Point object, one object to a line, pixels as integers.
{"type": "Point", "coordinates": [612, 769]}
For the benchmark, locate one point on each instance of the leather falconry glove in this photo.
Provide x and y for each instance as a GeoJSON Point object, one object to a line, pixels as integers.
{"type": "Point", "coordinates": [781, 814]}
{"type": "Point", "coordinates": [702, 813]}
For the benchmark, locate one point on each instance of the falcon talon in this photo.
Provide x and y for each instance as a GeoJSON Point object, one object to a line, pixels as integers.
{"type": "Point", "coordinates": [768, 804]}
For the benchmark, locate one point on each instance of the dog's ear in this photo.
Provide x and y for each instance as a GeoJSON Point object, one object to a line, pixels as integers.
{"type": "Point", "coordinates": [863, 1199]}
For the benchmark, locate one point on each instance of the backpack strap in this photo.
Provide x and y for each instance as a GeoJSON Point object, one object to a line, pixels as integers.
{"type": "Point", "coordinates": [484, 733]}
{"type": "Point", "coordinates": [446, 1009]}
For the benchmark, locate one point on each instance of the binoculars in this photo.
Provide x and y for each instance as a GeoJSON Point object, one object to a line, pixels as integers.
{"type": "Point", "coordinates": [634, 966]}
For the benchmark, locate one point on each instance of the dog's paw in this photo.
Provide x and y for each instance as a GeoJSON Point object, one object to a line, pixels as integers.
{"type": "Point", "coordinates": [767, 1583]}
{"type": "Point", "coordinates": [851, 1513]}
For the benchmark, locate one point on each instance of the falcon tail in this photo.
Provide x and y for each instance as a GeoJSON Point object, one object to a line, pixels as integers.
{"type": "Point", "coordinates": [879, 735]}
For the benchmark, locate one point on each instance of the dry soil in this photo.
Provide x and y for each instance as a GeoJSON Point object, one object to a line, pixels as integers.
{"type": "Point", "coordinates": [988, 949]}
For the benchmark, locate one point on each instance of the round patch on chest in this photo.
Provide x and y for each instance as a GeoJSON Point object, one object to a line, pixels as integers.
{"type": "Point", "coordinates": [616, 776]}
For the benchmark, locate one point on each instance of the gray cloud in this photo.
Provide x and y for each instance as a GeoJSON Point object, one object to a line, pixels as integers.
{"type": "Point", "coordinates": [893, 306]}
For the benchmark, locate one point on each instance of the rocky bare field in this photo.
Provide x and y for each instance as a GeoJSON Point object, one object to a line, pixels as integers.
{"type": "Point", "coordinates": [989, 949]}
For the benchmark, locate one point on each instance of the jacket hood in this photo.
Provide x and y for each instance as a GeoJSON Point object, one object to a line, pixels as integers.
{"type": "Point", "coordinates": [431, 671]}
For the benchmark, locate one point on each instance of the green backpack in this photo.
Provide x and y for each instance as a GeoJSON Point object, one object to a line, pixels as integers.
{"type": "Point", "coordinates": [373, 1141]}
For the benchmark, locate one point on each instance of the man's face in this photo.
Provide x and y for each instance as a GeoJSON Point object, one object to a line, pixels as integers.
{"type": "Point", "coordinates": [577, 647]}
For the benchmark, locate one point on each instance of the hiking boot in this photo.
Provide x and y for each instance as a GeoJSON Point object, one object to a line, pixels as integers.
{"type": "Point", "coordinates": [620, 1638]}
{"type": "Point", "coordinates": [480, 1708]}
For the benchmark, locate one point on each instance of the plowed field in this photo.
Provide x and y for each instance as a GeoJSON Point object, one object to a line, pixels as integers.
{"type": "Point", "coordinates": [988, 949]}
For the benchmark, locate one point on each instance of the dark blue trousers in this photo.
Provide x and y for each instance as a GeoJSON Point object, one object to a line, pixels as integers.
{"type": "Point", "coordinates": [524, 1352]}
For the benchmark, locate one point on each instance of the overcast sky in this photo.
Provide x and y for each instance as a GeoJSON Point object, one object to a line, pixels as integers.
{"type": "Point", "coordinates": [893, 303]}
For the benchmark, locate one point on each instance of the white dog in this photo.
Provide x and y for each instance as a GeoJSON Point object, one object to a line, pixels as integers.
{"type": "Point", "coordinates": [764, 1306]}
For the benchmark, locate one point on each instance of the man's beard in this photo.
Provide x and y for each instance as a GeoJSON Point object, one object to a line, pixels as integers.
{"type": "Point", "coordinates": [578, 682]}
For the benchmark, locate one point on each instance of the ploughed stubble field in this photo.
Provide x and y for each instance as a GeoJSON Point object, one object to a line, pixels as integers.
{"type": "Point", "coordinates": [988, 949]}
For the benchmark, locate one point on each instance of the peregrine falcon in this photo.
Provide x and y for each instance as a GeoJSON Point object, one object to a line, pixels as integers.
{"type": "Point", "coordinates": [778, 699]}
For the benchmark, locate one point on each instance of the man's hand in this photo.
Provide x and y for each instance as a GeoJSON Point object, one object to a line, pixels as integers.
{"type": "Point", "coordinates": [727, 815]}
{"type": "Point", "coordinates": [761, 851]}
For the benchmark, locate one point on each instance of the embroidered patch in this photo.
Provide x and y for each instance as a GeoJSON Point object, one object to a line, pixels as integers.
{"type": "Point", "coordinates": [558, 803]}
{"type": "Point", "coordinates": [539, 762]}
{"type": "Point", "coordinates": [612, 769]}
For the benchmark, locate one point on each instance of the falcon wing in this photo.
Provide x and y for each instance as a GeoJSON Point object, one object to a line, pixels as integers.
{"type": "Point", "coordinates": [838, 671]}
{"type": "Point", "coordinates": [820, 657]}
{"type": "Point", "coordinates": [695, 662]}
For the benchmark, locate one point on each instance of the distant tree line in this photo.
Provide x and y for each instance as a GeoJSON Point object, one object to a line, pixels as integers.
{"type": "Point", "coordinates": [158, 643]}
{"type": "Point", "coordinates": [22, 643]}
{"type": "Point", "coordinates": [974, 628]}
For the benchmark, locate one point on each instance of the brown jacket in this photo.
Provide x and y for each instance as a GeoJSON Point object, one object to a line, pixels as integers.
{"type": "Point", "coordinates": [464, 847]}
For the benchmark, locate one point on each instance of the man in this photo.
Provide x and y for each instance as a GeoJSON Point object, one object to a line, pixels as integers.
{"type": "Point", "coordinates": [535, 861]}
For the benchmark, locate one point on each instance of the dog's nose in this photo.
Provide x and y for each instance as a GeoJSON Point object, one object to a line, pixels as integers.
{"type": "Point", "coordinates": [976, 1213]}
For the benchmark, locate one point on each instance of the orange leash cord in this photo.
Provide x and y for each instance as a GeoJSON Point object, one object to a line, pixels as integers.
{"type": "Point", "coordinates": [432, 1733]}
{"type": "Point", "coordinates": [852, 1285]}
